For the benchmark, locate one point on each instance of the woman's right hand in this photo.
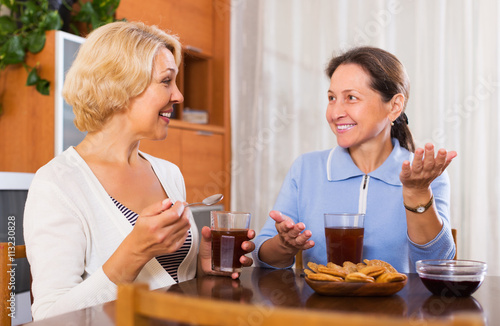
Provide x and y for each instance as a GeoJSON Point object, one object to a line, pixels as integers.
{"type": "Point", "coordinates": [291, 235]}
{"type": "Point", "coordinates": [280, 250]}
{"type": "Point", "coordinates": [160, 229]}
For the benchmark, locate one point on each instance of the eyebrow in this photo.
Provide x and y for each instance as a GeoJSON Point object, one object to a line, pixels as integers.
{"type": "Point", "coordinates": [174, 70]}
{"type": "Point", "coordinates": [345, 90]}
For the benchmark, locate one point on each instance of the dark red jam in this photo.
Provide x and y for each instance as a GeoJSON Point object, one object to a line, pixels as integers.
{"type": "Point", "coordinates": [451, 288]}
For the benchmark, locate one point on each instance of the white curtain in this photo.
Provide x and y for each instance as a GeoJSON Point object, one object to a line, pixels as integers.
{"type": "Point", "coordinates": [451, 50]}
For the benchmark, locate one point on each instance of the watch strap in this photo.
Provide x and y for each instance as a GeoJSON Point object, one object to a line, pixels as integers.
{"type": "Point", "coordinates": [420, 208]}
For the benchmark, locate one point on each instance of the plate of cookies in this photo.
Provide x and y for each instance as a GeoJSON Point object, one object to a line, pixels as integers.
{"type": "Point", "coordinates": [369, 278]}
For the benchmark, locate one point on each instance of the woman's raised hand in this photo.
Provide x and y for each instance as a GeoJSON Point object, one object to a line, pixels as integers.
{"type": "Point", "coordinates": [425, 167]}
{"type": "Point", "coordinates": [280, 250]}
{"type": "Point", "coordinates": [292, 236]}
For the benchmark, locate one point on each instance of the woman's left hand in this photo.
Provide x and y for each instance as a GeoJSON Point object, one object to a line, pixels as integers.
{"type": "Point", "coordinates": [425, 167]}
{"type": "Point", "coordinates": [205, 253]}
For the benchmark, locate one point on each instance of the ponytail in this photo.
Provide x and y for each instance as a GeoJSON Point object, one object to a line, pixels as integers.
{"type": "Point", "coordinates": [401, 132]}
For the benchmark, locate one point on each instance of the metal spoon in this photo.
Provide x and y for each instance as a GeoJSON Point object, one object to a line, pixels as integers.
{"type": "Point", "coordinates": [210, 200]}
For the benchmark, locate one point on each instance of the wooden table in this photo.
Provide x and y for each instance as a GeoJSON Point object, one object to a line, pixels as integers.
{"type": "Point", "coordinates": [269, 288]}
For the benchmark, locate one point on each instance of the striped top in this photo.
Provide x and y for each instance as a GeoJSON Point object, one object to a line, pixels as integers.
{"type": "Point", "coordinates": [170, 262]}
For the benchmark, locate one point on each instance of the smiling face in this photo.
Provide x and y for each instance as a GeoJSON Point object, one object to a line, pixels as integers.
{"type": "Point", "coordinates": [149, 113]}
{"type": "Point", "coordinates": [356, 113]}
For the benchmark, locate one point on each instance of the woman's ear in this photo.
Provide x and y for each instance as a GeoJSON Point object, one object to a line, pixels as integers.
{"type": "Point", "coordinates": [397, 105]}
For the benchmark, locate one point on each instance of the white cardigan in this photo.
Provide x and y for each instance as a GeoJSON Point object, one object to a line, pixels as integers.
{"type": "Point", "coordinates": [71, 228]}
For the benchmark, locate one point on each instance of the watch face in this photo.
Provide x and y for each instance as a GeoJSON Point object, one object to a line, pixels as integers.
{"type": "Point", "coordinates": [421, 209]}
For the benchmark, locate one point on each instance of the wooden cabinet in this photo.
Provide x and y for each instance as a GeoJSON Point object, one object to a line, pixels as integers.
{"type": "Point", "coordinates": [191, 20]}
{"type": "Point", "coordinates": [27, 122]}
{"type": "Point", "coordinates": [202, 161]}
{"type": "Point", "coordinates": [168, 149]}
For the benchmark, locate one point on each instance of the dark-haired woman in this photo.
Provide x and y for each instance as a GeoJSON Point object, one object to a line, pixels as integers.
{"type": "Point", "coordinates": [375, 170]}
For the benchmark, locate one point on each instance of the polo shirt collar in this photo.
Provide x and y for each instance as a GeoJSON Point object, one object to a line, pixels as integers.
{"type": "Point", "coordinates": [340, 165]}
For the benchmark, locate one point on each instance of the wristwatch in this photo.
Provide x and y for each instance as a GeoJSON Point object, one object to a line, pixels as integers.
{"type": "Point", "coordinates": [420, 208]}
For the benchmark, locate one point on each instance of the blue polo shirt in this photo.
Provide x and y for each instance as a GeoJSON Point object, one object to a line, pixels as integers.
{"type": "Point", "coordinates": [329, 182]}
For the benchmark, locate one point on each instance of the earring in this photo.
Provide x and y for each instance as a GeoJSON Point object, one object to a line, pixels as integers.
{"type": "Point", "coordinates": [392, 123]}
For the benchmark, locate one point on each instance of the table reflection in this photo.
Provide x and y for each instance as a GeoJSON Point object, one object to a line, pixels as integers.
{"type": "Point", "coordinates": [392, 305]}
{"type": "Point", "coordinates": [277, 286]}
{"type": "Point", "coordinates": [436, 306]}
{"type": "Point", "coordinates": [216, 287]}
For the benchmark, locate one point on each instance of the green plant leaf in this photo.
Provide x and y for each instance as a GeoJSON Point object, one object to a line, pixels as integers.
{"type": "Point", "coordinates": [67, 5]}
{"type": "Point", "coordinates": [95, 22]}
{"type": "Point", "coordinates": [36, 41]}
{"type": "Point", "coordinates": [102, 7]}
{"type": "Point", "coordinates": [74, 29]}
{"type": "Point", "coordinates": [7, 25]}
{"type": "Point", "coordinates": [24, 29]}
{"type": "Point", "coordinates": [33, 77]}
{"type": "Point", "coordinates": [25, 20]}
{"type": "Point", "coordinates": [3, 39]}
{"type": "Point", "coordinates": [44, 4]}
{"type": "Point", "coordinates": [14, 52]}
{"type": "Point", "coordinates": [53, 21]}
{"type": "Point", "coordinates": [24, 43]}
{"type": "Point", "coordinates": [9, 3]}
{"type": "Point", "coordinates": [32, 7]}
{"type": "Point", "coordinates": [43, 87]}
{"type": "Point", "coordinates": [85, 13]}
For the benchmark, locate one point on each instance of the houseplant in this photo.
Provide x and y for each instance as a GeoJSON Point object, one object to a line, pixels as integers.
{"type": "Point", "coordinates": [22, 30]}
{"type": "Point", "coordinates": [94, 14]}
{"type": "Point", "coordinates": [23, 24]}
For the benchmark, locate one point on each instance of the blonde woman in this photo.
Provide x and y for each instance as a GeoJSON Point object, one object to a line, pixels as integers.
{"type": "Point", "coordinates": [103, 212]}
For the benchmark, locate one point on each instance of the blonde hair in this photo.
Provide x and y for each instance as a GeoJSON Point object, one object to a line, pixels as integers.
{"type": "Point", "coordinates": [113, 65]}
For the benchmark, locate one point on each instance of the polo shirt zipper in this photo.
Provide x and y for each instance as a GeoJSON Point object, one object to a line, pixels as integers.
{"type": "Point", "coordinates": [363, 194]}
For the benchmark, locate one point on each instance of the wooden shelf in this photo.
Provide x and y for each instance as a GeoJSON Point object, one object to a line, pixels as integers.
{"type": "Point", "coordinates": [195, 83]}
{"type": "Point", "coordinates": [195, 126]}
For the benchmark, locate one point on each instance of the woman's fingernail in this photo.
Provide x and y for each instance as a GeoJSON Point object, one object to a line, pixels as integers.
{"type": "Point", "coordinates": [181, 210]}
{"type": "Point", "coordinates": [166, 202]}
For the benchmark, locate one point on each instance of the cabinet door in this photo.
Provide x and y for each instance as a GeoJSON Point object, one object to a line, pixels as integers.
{"type": "Point", "coordinates": [27, 122]}
{"type": "Point", "coordinates": [191, 20]}
{"type": "Point", "coordinates": [168, 149]}
{"type": "Point", "coordinates": [203, 164]}
{"type": "Point", "coordinates": [150, 12]}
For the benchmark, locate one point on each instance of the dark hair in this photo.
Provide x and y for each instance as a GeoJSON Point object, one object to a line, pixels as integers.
{"type": "Point", "coordinates": [388, 78]}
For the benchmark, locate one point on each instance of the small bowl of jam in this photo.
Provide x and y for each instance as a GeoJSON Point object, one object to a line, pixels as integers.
{"type": "Point", "coordinates": [451, 278]}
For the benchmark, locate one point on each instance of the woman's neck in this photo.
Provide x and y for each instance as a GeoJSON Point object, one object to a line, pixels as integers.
{"type": "Point", "coordinates": [107, 146]}
{"type": "Point", "coordinates": [369, 156]}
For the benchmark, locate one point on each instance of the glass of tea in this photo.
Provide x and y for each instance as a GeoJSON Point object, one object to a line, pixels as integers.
{"type": "Point", "coordinates": [344, 237]}
{"type": "Point", "coordinates": [229, 230]}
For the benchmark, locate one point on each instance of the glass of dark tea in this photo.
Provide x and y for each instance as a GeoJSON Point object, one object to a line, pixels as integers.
{"type": "Point", "coordinates": [229, 230]}
{"type": "Point", "coordinates": [344, 237]}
